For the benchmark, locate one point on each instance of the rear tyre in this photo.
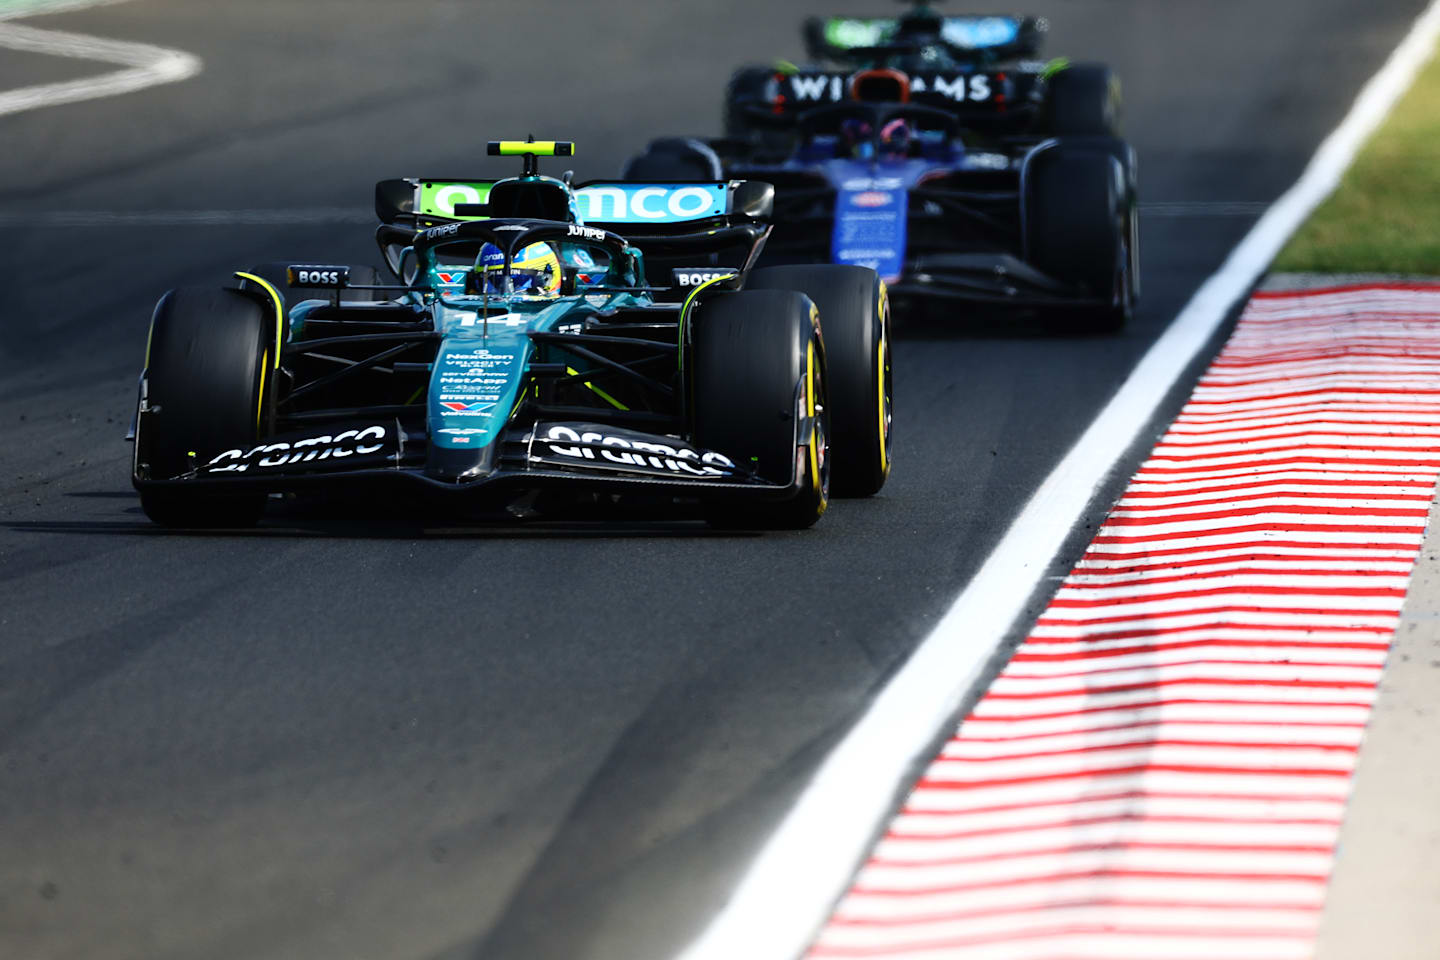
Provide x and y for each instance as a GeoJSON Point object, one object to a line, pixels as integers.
{"type": "Point", "coordinates": [1083, 100]}
{"type": "Point", "coordinates": [1079, 229]}
{"type": "Point", "coordinates": [757, 364]}
{"type": "Point", "coordinates": [855, 322]}
{"type": "Point", "coordinates": [674, 158]}
{"type": "Point", "coordinates": [746, 88]}
{"type": "Point", "coordinates": [273, 273]}
{"type": "Point", "coordinates": [204, 387]}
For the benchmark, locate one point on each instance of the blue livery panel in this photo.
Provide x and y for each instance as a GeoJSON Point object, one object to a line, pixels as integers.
{"type": "Point", "coordinates": [870, 224]}
{"type": "Point", "coordinates": [652, 202]}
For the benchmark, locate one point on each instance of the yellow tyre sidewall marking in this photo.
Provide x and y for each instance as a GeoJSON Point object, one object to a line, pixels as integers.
{"type": "Point", "coordinates": [883, 358]}
{"type": "Point", "coordinates": [811, 388]}
{"type": "Point", "coordinates": [279, 339]}
{"type": "Point", "coordinates": [279, 311]}
{"type": "Point", "coordinates": [810, 412]}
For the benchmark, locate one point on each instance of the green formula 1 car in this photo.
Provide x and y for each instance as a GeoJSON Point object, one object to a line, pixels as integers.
{"type": "Point", "coordinates": [527, 355]}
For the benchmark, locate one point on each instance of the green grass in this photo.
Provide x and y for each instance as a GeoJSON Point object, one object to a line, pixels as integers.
{"type": "Point", "coordinates": [7, 6]}
{"type": "Point", "coordinates": [26, 8]}
{"type": "Point", "coordinates": [1385, 218]}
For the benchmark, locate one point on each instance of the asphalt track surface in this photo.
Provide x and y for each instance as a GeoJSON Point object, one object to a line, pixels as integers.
{"type": "Point", "coordinates": [346, 737]}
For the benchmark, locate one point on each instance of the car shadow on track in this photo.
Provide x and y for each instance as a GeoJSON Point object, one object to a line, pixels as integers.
{"type": "Point", "coordinates": [325, 521]}
{"type": "Point", "coordinates": [531, 530]}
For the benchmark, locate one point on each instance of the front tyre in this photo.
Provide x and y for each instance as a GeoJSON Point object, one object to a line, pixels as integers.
{"type": "Point", "coordinates": [674, 158]}
{"type": "Point", "coordinates": [745, 89]}
{"type": "Point", "coordinates": [855, 321]}
{"type": "Point", "coordinates": [205, 382]}
{"type": "Point", "coordinates": [1080, 227]}
{"type": "Point", "coordinates": [758, 379]}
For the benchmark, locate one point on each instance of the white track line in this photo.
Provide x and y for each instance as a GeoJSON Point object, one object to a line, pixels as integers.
{"type": "Point", "coordinates": [803, 869]}
{"type": "Point", "coordinates": [145, 65]}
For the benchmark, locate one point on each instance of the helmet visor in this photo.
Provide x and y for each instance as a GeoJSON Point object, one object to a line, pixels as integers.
{"type": "Point", "coordinates": [522, 280]}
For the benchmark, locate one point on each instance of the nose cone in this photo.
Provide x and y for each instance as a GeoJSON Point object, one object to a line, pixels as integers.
{"type": "Point", "coordinates": [459, 464]}
{"type": "Point", "coordinates": [473, 387]}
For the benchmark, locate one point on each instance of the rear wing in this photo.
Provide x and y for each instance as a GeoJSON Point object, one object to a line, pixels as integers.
{"type": "Point", "coordinates": [720, 223]}
{"type": "Point", "coordinates": [677, 207]}
{"type": "Point", "coordinates": [669, 208]}
{"type": "Point", "coordinates": [973, 92]}
{"type": "Point", "coordinates": [998, 37]}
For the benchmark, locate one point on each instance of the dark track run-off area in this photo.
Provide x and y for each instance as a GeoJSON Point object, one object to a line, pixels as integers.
{"type": "Point", "coordinates": [341, 736]}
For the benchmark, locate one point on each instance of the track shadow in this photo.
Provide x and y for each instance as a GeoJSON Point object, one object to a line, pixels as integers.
{"type": "Point", "coordinates": [272, 529]}
{"type": "Point", "coordinates": [621, 838]}
{"type": "Point", "coordinates": [342, 520]}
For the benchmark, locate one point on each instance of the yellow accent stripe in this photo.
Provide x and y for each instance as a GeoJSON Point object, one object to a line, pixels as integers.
{"type": "Point", "coordinates": [521, 398]}
{"type": "Point", "coordinates": [260, 404]}
{"type": "Point", "coordinates": [279, 311]}
{"type": "Point", "coordinates": [539, 148]}
{"type": "Point", "coordinates": [598, 392]}
{"type": "Point", "coordinates": [685, 313]}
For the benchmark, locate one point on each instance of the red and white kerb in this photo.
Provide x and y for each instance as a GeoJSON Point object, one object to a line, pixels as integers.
{"type": "Point", "coordinates": [1161, 769]}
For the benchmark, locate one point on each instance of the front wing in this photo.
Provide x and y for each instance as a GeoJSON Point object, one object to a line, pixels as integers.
{"type": "Point", "coordinates": [576, 457]}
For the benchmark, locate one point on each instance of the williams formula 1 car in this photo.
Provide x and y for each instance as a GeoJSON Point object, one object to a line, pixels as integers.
{"type": "Point", "coordinates": [525, 359]}
{"type": "Point", "coordinates": [932, 150]}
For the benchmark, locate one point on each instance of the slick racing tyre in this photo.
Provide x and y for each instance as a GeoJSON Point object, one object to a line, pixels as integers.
{"type": "Point", "coordinates": [273, 273]}
{"type": "Point", "coordinates": [204, 388]}
{"type": "Point", "coordinates": [674, 158]}
{"type": "Point", "coordinates": [746, 88]}
{"type": "Point", "coordinates": [855, 323]}
{"type": "Point", "coordinates": [1083, 100]}
{"type": "Point", "coordinates": [1080, 227]}
{"type": "Point", "coordinates": [757, 364]}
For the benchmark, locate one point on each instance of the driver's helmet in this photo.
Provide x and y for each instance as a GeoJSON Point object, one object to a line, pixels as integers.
{"type": "Point", "coordinates": [535, 271]}
{"type": "Point", "coordinates": [855, 138]}
{"type": "Point", "coordinates": [895, 138]}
